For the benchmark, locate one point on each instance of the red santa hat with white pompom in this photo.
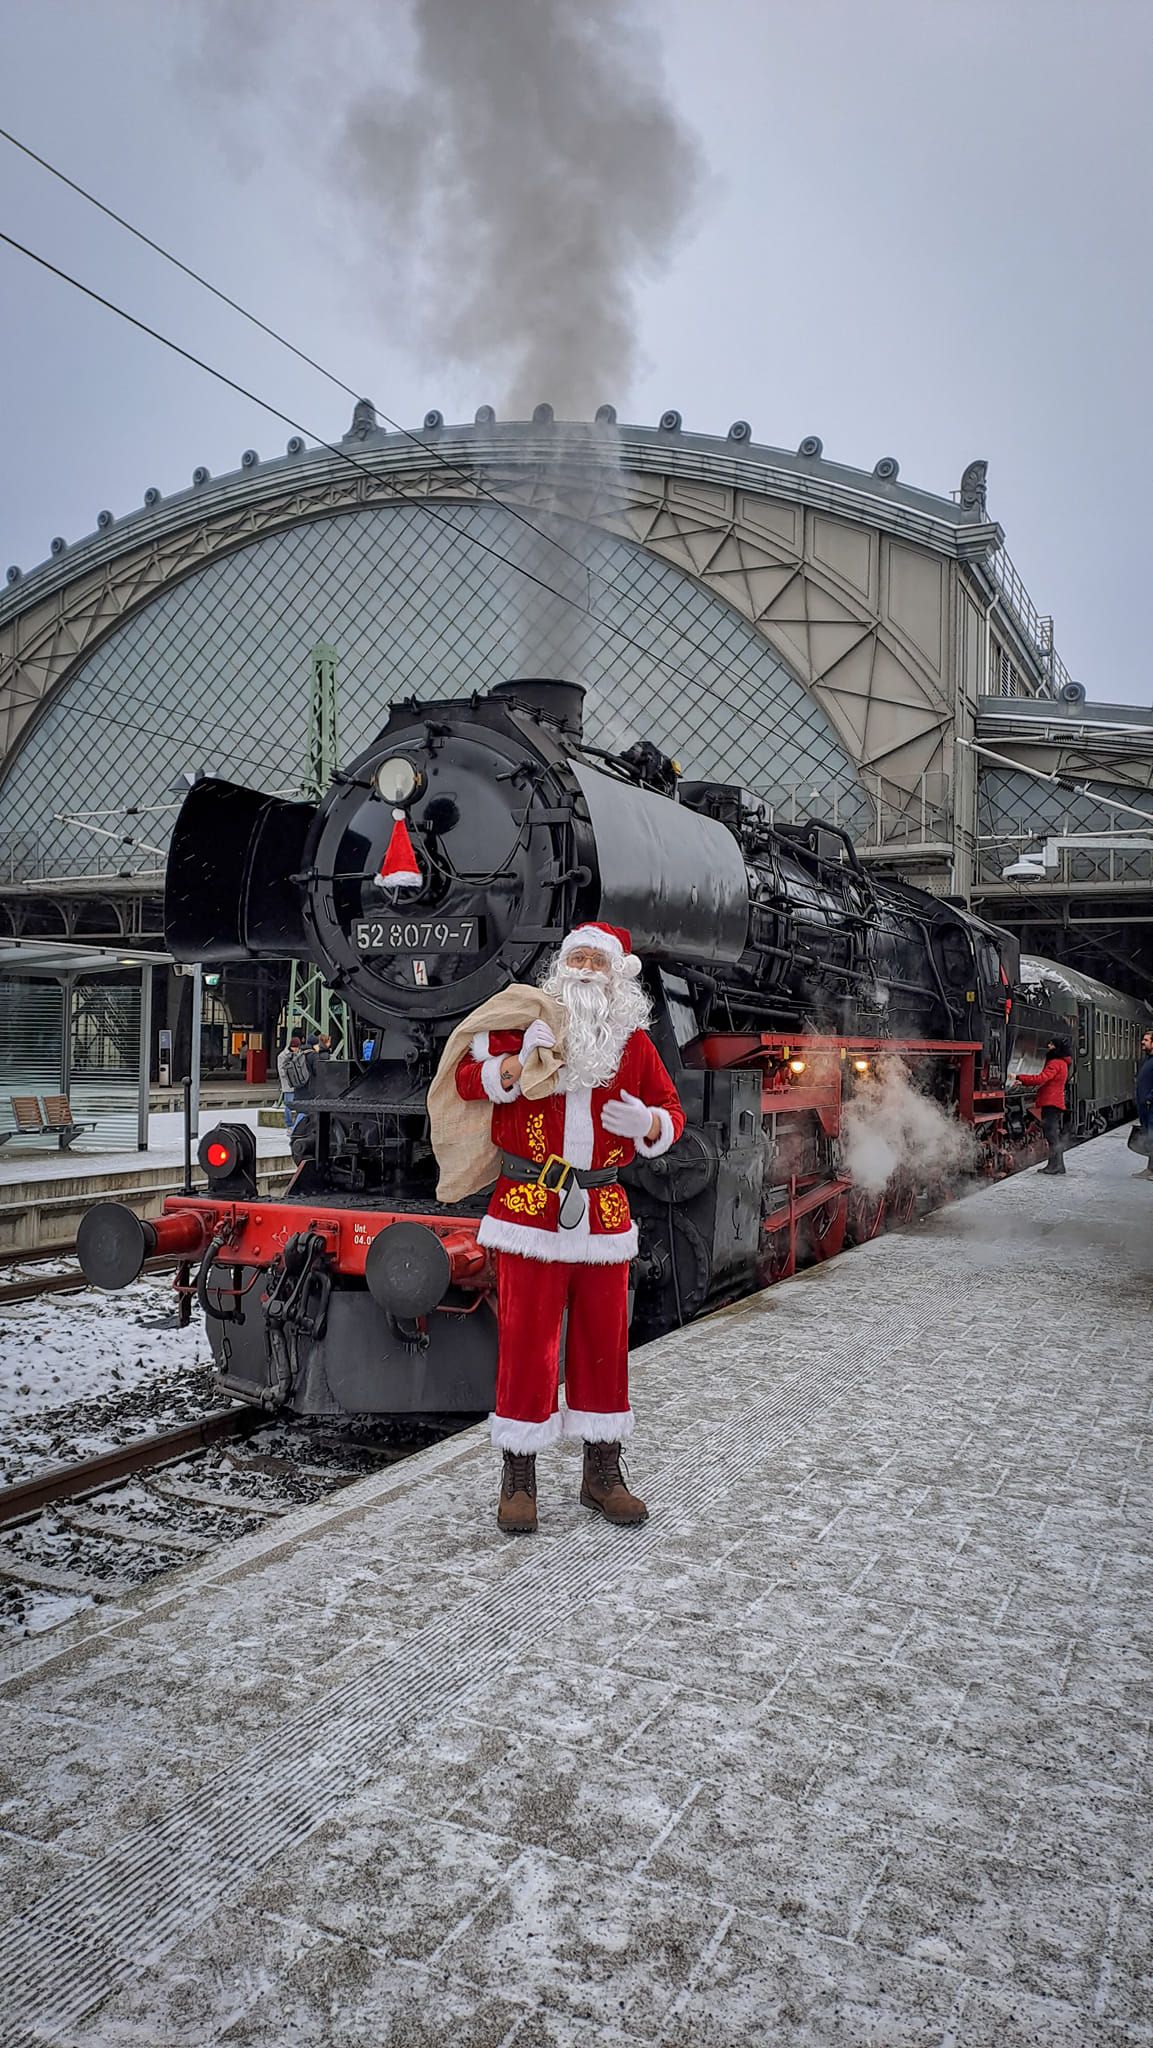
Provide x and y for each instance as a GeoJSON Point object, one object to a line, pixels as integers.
{"type": "Point", "coordinates": [612, 939]}
{"type": "Point", "coordinates": [398, 869]}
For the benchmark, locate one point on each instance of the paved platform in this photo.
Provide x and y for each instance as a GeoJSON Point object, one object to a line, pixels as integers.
{"type": "Point", "coordinates": [39, 1161]}
{"type": "Point", "coordinates": [848, 1745]}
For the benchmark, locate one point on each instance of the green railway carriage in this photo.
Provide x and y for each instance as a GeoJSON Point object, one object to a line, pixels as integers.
{"type": "Point", "coordinates": [1103, 1027]}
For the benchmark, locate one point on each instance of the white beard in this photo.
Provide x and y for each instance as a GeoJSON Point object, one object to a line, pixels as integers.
{"type": "Point", "coordinates": [601, 1014]}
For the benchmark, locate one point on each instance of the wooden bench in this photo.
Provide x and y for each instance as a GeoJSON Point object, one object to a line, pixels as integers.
{"type": "Point", "coordinates": [52, 1120]}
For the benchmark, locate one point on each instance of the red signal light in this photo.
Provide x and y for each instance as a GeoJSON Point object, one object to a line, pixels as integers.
{"type": "Point", "coordinates": [217, 1154]}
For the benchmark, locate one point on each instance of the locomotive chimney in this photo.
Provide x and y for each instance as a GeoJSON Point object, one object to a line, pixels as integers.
{"type": "Point", "coordinates": [561, 703]}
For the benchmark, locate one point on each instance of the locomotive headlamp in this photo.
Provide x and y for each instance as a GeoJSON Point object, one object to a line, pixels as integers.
{"type": "Point", "coordinates": [861, 1066]}
{"type": "Point", "coordinates": [796, 1066]}
{"type": "Point", "coordinates": [398, 781]}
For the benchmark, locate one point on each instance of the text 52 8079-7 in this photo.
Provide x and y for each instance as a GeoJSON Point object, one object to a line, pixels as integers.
{"type": "Point", "coordinates": [415, 935]}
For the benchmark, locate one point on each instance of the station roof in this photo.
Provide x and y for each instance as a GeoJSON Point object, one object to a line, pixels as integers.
{"type": "Point", "coordinates": [32, 957]}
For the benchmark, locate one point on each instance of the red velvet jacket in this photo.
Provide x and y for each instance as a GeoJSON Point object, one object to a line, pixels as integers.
{"type": "Point", "coordinates": [1049, 1083]}
{"type": "Point", "coordinates": [522, 1217]}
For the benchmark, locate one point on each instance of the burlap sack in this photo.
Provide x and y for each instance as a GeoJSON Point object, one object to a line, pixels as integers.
{"type": "Point", "coordinates": [461, 1131]}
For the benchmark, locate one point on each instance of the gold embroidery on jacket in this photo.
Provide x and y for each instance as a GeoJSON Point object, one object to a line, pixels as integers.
{"type": "Point", "coordinates": [525, 1199]}
{"type": "Point", "coordinates": [614, 1155]}
{"type": "Point", "coordinates": [537, 1147]}
{"type": "Point", "coordinates": [613, 1206]}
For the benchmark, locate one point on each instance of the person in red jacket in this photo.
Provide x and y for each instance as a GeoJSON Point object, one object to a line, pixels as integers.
{"type": "Point", "coordinates": [558, 1221]}
{"type": "Point", "coordinates": [1049, 1102]}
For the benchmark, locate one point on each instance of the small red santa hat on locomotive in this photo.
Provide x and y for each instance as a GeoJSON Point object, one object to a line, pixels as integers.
{"type": "Point", "coordinates": [398, 869]}
{"type": "Point", "coordinates": [611, 939]}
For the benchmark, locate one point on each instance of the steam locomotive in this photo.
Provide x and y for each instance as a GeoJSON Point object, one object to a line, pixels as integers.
{"type": "Point", "coordinates": [780, 973]}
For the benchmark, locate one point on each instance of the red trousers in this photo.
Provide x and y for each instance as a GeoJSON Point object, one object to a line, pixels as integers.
{"type": "Point", "coordinates": [532, 1296]}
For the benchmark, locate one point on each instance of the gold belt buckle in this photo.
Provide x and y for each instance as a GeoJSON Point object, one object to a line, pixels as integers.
{"type": "Point", "coordinates": [554, 1187]}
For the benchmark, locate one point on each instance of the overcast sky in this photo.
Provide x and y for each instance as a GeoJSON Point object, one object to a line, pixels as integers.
{"type": "Point", "coordinates": [924, 232]}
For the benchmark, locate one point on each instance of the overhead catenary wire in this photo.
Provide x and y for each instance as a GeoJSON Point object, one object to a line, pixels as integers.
{"type": "Point", "coordinates": [468, 476]}
{"type": "Point", "coordinates": [460, 536]}
{"type": "Point", "coordinates": [330, 447]}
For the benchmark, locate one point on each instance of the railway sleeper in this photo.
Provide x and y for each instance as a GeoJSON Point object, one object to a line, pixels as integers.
{"type": "Point", "coordinates": [23, 1571]}
{"type": "Point", "coordinates": [119, 1529]}
{"type": "Point", "coordinates": [213, 1497]}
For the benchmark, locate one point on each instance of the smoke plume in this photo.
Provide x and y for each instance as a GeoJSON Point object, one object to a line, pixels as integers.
{"type": "Point", "coordinates": [528, 175]}
{"type": "Point", "coordinates": [502, 176]}
{"type": "Point", "coordinates": [505, 172]}
{"type": "Point", "coordinates": [891, 1128]}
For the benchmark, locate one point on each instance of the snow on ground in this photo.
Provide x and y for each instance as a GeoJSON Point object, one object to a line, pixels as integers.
{"type": "Point", "coordinates": [81, 1372]}
{"type": "Point", "coordinates": [64, 1348]}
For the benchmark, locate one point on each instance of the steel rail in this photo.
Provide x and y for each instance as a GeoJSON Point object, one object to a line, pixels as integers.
{"type": "Point", "coordinates": [31, 1288]}
{"type": "Point", "coordinates": [71, 1482]}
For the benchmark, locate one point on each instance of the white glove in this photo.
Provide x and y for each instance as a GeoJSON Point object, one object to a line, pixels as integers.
{"type": "Point", "coordinates": [537, 1035]}
{"type": "Point", "coordinates": [628, 1118]}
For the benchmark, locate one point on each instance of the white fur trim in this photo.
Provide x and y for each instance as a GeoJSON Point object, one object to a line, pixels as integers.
{"type": "Point", "coordinates": [599, 1429]}
{"type": "Point", "coordinates": [591, 935]}
{"type": "Point", "coordinates": [509, 1435]}
{"type": "Point", "coordinates": [661, 1142]}
{"type": "Point", "coordinates": [578, 1126]}
{"type": "Point", "coordinates": [404, 878]}
{"type": "Point", "coordinates": [491, 1082]}
{"type": "Point", "coordinates": [480, 1047]}
{"type": "Point", "coordinates": [559, 1247]}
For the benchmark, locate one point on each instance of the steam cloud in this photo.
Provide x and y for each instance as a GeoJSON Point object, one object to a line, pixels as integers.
{"type": "Point", "coordinates": [508, 171]}
{"type": "Point", "coordinates": [891, 1127]}
{"type": "Point", "coordinates": [526, 178]}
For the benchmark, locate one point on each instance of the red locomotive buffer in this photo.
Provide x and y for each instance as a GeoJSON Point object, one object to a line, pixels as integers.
{"type": "Point", "coordinates": [284, 1284]}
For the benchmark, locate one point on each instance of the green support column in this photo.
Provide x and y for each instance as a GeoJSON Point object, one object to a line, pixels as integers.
{"type": "Point", "coordinates": [311, 1003]}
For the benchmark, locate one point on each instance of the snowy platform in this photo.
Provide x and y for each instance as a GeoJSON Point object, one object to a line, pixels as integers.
{"type": "Point", "coordinates": [39, 1162]}
{"type": "Point", "coordinates": [848, 1745]}
{"type": "Point", "coordinates": [43, 1198]}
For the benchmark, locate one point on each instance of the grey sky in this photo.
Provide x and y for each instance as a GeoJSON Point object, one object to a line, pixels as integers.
{"type": "Point", "coordinates": [925, 232]}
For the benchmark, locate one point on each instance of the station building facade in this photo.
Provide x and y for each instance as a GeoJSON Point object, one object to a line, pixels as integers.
{"type": "Point", "coordinates": [828, 637]}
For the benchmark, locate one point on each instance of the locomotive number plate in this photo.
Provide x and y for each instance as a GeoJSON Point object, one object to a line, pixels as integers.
{"type": "Point", "coordinates": [415, 935]}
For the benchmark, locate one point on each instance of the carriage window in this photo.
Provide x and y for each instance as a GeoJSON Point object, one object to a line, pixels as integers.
{"type": "Point", "coordinates": [1097, 1032]}
{"type": "Point", "coordinates": [1082, 1032]}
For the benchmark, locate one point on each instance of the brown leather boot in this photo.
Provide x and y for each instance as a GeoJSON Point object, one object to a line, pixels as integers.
{"type": "Point", "coordinates": [516, 1509]}
{"type": "Point", "coordinates": [603, 1486]}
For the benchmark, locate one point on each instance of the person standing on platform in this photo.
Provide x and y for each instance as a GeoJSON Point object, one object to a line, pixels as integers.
{"type": "Point", "coordinates": [558, 1221]}
{"type": "Point", "coordinates": [294, 1071]}
{"type": "Point", "coordinates": [1049, 1103]}
{"type": "Point", "coordinates": [1143, 1091]}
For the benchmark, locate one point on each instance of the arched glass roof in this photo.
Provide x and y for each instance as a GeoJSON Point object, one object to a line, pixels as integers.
{"type": "Point", "coordinates": [213, 675]}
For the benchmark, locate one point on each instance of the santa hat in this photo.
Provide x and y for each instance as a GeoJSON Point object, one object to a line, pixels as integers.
{"type": "Point", "coordinates": [398, 869]}
{"type": "Point", "coordinates": [612, 939]}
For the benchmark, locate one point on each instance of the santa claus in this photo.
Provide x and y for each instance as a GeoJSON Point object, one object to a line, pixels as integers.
{"type": "Point", "coordinates": [558, 1222]}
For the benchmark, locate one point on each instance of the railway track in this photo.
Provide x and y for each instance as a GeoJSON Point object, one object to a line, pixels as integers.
{"type": "Point", "coordinates": [28, 1497]}
{"type": "Point", "coordinates": [31, 1286]}
{"type": "Point", "coordinates": [97, 1529]}
{"type": "Point", "coordinates": [126, 1471]}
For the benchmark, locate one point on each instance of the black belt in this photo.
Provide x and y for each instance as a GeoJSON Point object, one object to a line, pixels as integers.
{"type": "Point", "coordinates": [555, 1173]}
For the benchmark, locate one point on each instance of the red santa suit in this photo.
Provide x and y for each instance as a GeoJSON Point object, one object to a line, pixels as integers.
{"type": "Point", "coordinates": [544, 1269]}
